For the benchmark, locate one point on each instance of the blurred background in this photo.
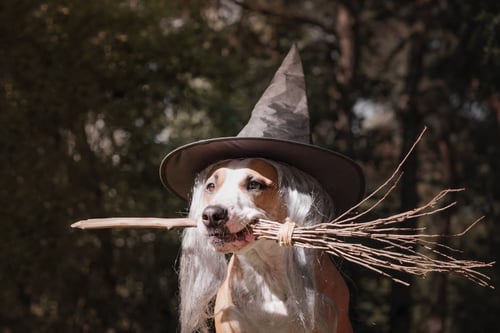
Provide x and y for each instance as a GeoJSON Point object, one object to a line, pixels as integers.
{"type": "Point", "coordinates": [94, 93]}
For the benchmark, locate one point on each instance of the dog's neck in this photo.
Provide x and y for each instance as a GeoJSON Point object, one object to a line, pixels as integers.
{"type": "Point", "coordinates": [264, 261]}
{"type": "Point", "coordinates": [255, 293]}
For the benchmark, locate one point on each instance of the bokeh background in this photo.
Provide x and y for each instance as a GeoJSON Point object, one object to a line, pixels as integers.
{"type": "Point", "coordinates": [94, 93]}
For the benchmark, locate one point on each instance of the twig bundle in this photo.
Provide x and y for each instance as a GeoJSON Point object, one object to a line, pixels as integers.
{"type": "Point", "coordinates": [399, 247]}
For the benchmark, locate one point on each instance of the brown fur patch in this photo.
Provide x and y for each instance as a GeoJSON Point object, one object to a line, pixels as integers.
{"type": "Point", "coordinates": [269, 199]}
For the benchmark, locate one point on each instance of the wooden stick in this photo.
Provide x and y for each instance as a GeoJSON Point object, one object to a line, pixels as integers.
{"type": "Point", "coordinates": [135, 222]}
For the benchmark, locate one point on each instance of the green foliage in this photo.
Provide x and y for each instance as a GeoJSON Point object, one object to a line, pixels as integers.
{"type": "Point", "coordinates": [93, 94]}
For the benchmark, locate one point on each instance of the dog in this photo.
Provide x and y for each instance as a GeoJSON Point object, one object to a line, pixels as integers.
{"type": "Point", "coordinates": [236, 283]}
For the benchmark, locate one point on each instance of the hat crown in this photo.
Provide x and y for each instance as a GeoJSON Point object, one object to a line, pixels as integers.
{"type": "Point", "coordinates": [281, 112]}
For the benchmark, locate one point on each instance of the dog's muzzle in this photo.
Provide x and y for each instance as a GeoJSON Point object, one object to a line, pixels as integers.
{"type": "Point", "coordinates": [216, 219]}
{"type": "Point", "coordinates": [214, 216]}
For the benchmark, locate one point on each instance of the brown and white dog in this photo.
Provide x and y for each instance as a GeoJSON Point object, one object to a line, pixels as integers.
{"type": "Point", "coordinates": [264, 287]}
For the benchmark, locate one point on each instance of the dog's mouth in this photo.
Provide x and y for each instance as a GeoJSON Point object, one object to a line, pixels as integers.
{"type": "Point", "coordinates": [225, 241]}
{"type": "Point", "coordinates": [226, 236]}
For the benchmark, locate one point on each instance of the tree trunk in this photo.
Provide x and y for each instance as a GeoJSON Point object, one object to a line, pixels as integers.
{"type": "Point", "coordinates": [438, 300]}
{"type": "Point", "coordinates": [346, 30]}
{"type": "Point", "coordinates": [401, 297]}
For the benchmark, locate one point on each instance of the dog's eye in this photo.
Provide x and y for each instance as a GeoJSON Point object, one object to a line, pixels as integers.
{"type": "Point", "coordinates": [210, 187]}
{"type": "Point", "coordinates": [254, 185]}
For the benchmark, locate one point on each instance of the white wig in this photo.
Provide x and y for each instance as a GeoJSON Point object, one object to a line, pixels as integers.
{"type": "Point", "coordinates": [202, 269]}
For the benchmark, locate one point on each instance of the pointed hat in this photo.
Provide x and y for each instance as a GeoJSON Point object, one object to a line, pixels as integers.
{"type": "Point", "coordinates": [278, 130]}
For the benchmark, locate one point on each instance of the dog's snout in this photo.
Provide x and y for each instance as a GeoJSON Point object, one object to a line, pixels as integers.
{"type": "Point", "coordinates": [214, 216]}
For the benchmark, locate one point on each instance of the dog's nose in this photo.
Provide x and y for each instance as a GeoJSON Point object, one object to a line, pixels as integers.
{"type": "Point", "coordinates": [214, 216]}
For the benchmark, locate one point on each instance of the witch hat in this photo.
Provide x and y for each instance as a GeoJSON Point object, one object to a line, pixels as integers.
{"type": "Point", "coordinates": [278, 130]}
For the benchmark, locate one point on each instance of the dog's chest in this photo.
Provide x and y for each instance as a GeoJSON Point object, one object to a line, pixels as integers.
{"type": "Point", "coordinates": [260, 295]}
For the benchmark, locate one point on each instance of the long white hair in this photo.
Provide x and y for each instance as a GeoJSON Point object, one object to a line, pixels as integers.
{"type": "Point", "coordinates": [202, 269]}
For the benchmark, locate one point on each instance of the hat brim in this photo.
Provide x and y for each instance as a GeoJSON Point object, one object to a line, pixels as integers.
{"type": "Point", "coordinates": [341, 177]}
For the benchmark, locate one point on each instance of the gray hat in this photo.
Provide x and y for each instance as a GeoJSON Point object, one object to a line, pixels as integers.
{"type": "Point", "coordinates": [278, 130]}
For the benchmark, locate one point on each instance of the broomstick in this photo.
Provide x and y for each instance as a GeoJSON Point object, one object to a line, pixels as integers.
{"type": "Point", "coordinates": [135, 222]}
{"type": "Point", "coordinates": [404, 249]}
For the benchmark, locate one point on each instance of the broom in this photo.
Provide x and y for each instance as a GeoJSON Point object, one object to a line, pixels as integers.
{"type": "Point", "coordinates": [396, 248]}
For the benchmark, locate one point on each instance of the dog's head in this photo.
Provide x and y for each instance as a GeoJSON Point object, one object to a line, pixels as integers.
{"type": "Point", "coordinates": [236, 193]}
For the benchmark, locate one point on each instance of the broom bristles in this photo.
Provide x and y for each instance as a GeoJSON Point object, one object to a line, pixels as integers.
{"type": "Point", "coordinates": [398, 245]}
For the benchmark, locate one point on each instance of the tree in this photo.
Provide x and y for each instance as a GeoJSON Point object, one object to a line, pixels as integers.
{"type": "Point", "coordinates": [93, 94]}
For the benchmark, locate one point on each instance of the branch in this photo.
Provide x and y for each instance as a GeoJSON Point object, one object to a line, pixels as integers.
{"type": "Point", "coordinates": [285, 15]}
